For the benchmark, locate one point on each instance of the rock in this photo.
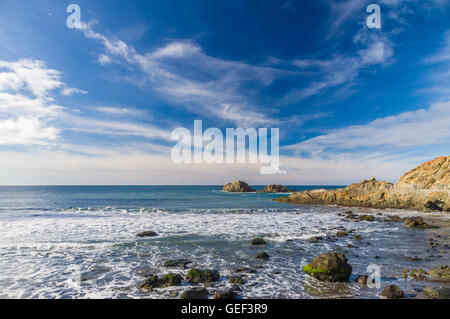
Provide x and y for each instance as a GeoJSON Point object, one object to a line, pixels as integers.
{"type": "Point", "coordinates": [195, 293]}
{"type": "Point", "coordinates": [154, 282]}
{"type": "Point", "coordinates": [441, 273]}
{"type": "Point", "coordinates": [182, 263]}
{"type": "Point", "coordinates": [262, 255]}
{"type": "Point", "coordinates": [147, 233]}
{"type": "Point", "coordinates": [368, 218]}
{"type": "Point", "coordinates": [236, 280]}
{"type": "Point", "coordinates": [225, 294]}
{"type": "Point", "coordinates": [171, 280]}
{"type": "Point", "coordinates": [238, 187]}
{"type": "Point", "coordinates": [173, 294]}
{"type": "Point", "coordinates": [435, 205]}
{"type": "Point", "coordinates": [415, 222]}
{"type": "Point", "coordinates": [392, 292]}
{"type": "Point", "coordinates": [257, 241]}
{"type": "Point", "coordinates": [331, 266]}
{"type": "Point", "coordinates": [150, 283]}
{"type": "Point", "coordinates": [358, 237]}
{"type": "Point", "coordinates": [202, 275]}
{"type": "Point", "coordinates": [425, 188]}
{"type": "Point", "coordinates": [415, 273]}
{"type": "Point", "coordinates": [362, 280]}
{"type": "Point", "coordinates": [437, 292]}
{"type": "Point", "coordinates": [341, 234]}
{"type": "Point", "coordinates": [275, 188]}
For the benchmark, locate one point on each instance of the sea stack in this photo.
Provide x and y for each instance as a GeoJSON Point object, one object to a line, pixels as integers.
{"type": "Point", "coordinates": [238, 187]}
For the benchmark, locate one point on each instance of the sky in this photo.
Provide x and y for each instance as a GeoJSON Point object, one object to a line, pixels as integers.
{"type": "Point", "coordinates": [97, 105]}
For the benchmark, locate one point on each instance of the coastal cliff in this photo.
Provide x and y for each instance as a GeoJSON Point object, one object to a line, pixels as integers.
{"type": "Point", "coordinates": [425, 188]}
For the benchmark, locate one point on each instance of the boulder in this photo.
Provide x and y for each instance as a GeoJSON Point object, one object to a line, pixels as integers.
{"type": "Point", "coordinates": [262, 255]}
{"type": "Point", "coordinates": [181, 263]}
{"type": "Point", "coordinates": [330, 266]}
{"type": "Point", "coordinates": [154, 282]}
{"type": "Point", "coordinates": [236, 280]}
{"type": "Point", "coordinates": [437, 292]}
{"type": "Point", "coordinates": [238, 187]}
{"type": "Point", "coordinates": [392, 292]}
{"type": "Point", "coordinates": [415, 222]}
{"type": "Point", "coordinates": [441, 273]}
{"type": "Point", "coordinates": [195, 293]}
{"type": "Point", "coordinates": [147, 233]}
{"type": "Point", "coordinates": [202, 275]}
{"type": "Point", "coordinates": [362, 280]}
{"type": "Point", "coordinates": [225, 294]}
{"type": "Point", "coordinates": [257, 241]}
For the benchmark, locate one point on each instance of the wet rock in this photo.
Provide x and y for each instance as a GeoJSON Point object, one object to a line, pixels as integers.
{"type": "Point", "coordinates": [202, 275]}
{"type": "Point", "coordinates": [368, 218]}
{"type": "Point", "coordinates": [195, 293]}
{"type": "Point", "coordinates": [392, 292]}
{"type": "Point", "coordinates": [440, 273]}
{"type": "Point", "coordinates": [151, 283]}
{"type": "Point", "coordinates": [437, 292]}
{"type": "Point", "coordinates": [331, 266]}
{"type": "Point", "coordinates": [362, 280]}
{"type": "Point", "coordinates": [154, 282]}
{"type": "Point", "coordinates": [262, 255]}
{"type": "Point", "coordinates": [171, 280]}
{"type": "Point", "coordinates": [173, 263]}
{"type": "Point", "coordinates": [415, 222]}
{"type": "Point", "coordinates": [257, 241]}
{"type": "Point", "coordinates": [173, 294]}
{"type": "Point", "coordinates": [236, 280]}
{"type": "Point", "coordinates": [238, 187]}
{"type": "Point", "coordinates": [341, 234]}
{"type": "Point", "coordinates": [147, 233]}
{"type": "Point", "coordinates": [394, 218]}
{"type": "Point", "coordinates": [225, 294]}
{"type": "Point", "coordinates": [415, 273]}
{"type": "Point", "coordinates": [242, 269]}
{"type": "Point", "coordinates": [358, 237]}
{"type": "Point", "coordinates": [275, 188]}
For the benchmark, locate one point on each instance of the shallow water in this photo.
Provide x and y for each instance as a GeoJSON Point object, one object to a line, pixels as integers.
{"type": "Point", "coordinates": [79, 242]}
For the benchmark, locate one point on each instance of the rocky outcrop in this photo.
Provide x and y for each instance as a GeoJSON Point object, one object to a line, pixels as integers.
{"type": "Point", "coordinates": [238, 187]}
{"type": "Point", "coordinates": [331, 266]}
{"type": "Point", "coordinates": [275, 188]}
{"type": "Point", "coordinates": [425, 188]}
{"type": "Point", "coordinates": [202, 275]}
{"type": "Point", "coordinates": [392, 292]}
{"type": "Point", "coordinates": [437, 292]}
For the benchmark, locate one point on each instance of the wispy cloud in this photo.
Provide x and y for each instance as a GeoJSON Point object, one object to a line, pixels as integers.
{"type": "Point", "coordinates": [424, 127]}
{"type": "Point", "coordinates": [186, 76]}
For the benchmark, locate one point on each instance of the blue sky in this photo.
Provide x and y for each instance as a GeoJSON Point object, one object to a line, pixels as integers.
{"type": "Point", "coordinates": [97, 105]}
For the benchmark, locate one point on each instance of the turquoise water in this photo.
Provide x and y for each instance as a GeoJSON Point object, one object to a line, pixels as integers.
{"type": "Point", "coordinates": [80, 242]}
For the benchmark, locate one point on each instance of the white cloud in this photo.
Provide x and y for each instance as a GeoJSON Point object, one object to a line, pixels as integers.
{"type": "Point", "coordinates": [184, 75]}
{"type": "Point", "coordinates": [443, 55]}
{"type": "Point", "coordinates": [104, 59]}
{"type": "Point", "coordinates": [24, 131]}
{"type": "Point", "coordinates": [406, 130]}
{"type": "Point", "coordinates": [70, 91]}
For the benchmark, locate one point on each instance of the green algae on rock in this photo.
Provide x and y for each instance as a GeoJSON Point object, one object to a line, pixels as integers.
{"type": "Point", "coordinates": [330, 266]}
{"type": "Point", "coordinates": [202, 275]}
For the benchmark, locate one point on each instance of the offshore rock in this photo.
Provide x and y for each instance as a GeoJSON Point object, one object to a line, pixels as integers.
{"type": "Point", "coordinates": [238, 187]}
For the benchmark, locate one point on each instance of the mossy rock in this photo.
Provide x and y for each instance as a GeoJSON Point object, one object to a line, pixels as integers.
{"type": "Point", "coordinates": [171, 280]}
{"type": "Point", "coordinates": [331, 267]}
{"type": "Point", "coordinates": [392, 292]}
{"type": "Point", "coordinates": [368, 218]}
{"type": "Point", "coordinates": [341, 234]}
{"type": "Point", "coordinates": [441, 273]}
{"type": "Point", "coordinates": [195, 293]}
{"type": "Point", "coordinates": [202, 275]}
{"type": "Point", "coordinates": [151, 283]}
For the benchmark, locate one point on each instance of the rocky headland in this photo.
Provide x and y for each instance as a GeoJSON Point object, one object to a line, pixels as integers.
{"type": "Point", "coordinates": [425, 188]}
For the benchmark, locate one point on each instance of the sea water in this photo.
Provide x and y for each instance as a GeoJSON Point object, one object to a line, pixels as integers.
{"type": "Point", "coordinates": [80, 242]}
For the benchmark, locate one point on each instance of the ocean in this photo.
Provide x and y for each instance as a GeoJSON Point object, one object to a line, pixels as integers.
{"type": "Point", "coordinates": [80, 242]}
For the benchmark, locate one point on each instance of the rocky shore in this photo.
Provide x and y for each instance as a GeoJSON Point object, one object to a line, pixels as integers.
{"type": "Point", "coordinates": [425, 188]}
